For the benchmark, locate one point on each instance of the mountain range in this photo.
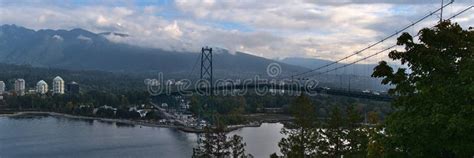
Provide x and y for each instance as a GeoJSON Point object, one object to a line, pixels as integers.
{"type": "Point", "coordinates": [79, 49]}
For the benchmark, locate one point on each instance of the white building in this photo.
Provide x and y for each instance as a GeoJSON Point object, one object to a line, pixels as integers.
{"type": "Point", "coordinates": [42, 87]}
{"type": "Point", "coordinates": [2, 87]}
{"type": "Point", "coordinates": [58, 85]}
{"type": "Point", "coordinates": [20, 87]}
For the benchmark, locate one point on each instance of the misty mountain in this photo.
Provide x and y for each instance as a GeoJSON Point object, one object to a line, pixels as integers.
{"type": "Point", "coordinates": [79, 49]}
{"type": "Point", "coordinates": [115, 34]}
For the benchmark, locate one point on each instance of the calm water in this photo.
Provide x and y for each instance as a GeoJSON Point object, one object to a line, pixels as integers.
{"type": "Point", "coordinates": [46, 136]}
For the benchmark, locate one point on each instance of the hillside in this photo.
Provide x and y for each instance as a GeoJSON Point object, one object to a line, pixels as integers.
{"type": "Point", "coordinates": [79, 49]}
{"type": "Point", "coordinates": [88, 80]}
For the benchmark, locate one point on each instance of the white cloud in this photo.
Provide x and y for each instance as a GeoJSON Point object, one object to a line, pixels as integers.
{"type": "Point", "coordinates": [58, 38]}
{"type": "Point", "coordinates": [101, 20]}
{"type": "Point", "coordinates": [173, 30]}
{"type": "Point", "coordinates": [82, 37]}
{"type": "Point", "coordinates": [324, 29]}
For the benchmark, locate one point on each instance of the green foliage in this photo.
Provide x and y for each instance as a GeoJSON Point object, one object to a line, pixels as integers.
{"type": "Point", "coordinates": [333, 134]}
{"type": "Point", "coordinates": [357, 135]}
{"type": "Point", "coordinates": [107, 113]}
{"type": "Point", "coordinates": [87, 79]}
{"type": "Point", "coordinates": [434, 114]}
{"type": "Point", "coordinates": [375, 137]}
{"type": "Point", "coordinates": [274, 155]}
{"type": "Point", "coordinates": [196, 106]}
{"type": "Point", "coordinates": [134, 115]}
{"type": "Point", "coordinates": [303, 136]}
{"type": "Point", "coordinates": [152, 115]}
{"type": "Point", "coordinates": [343, 134]}
{"type": "Point", "coordinates": [71, 103]}
{"type": "Point", "coordinates": [234, 108]}
{"type": "Point", "coordinates": [237, 147]}
{"type": "Point", "coordinates": [84, 111]}
{"type": "Point", "coordinates": [230, 108]}
{"type": "Point", "coordinates": [215, 143]}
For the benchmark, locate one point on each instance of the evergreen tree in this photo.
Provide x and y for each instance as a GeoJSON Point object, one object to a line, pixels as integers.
{"type": "Point", "coordinates": [334, 135]}
{"type": "Point", "coordinates": [375, 138]}
{"type": "Point", "coordinates": [357, 135]}
{"type": "Point", "coordinates": [215, 144]}
{"type": "Point", "coordinates": [343, 135]}
{"type": "Point", "coordinates": [303, 135]}
{"type": "Point", "coordinates": [238, 147]}
{"type": "Point", "coordinates": [212, 143]}
{"type": "Point", "coordinates": [274, 155]}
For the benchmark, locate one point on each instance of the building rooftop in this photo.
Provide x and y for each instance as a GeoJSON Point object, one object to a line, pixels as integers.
{"type": "Point", "coordinates": [57, 78]}
{"type": "Point", "coordinates": [41, 82]}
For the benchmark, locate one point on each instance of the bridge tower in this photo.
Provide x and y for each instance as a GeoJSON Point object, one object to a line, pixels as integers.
{"type": "Point", "coordinates": [206, 65]}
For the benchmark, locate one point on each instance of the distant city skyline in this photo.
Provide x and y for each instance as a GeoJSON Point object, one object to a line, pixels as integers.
{"type": "Point", "coordinates": [59, 86]}
{"type": "Point", "coordinates": [323, 29]}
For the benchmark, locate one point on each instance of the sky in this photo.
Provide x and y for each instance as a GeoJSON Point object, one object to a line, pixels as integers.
{"type": "Point", "coordinates": [275, 29]}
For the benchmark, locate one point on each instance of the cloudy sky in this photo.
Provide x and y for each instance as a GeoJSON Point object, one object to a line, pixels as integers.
{"type": "Point", "coordinates": [328, 29]}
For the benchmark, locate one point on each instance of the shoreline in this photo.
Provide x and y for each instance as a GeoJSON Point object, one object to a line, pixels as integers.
{"type": "Point", "coordinates": [132, 122]}
{"type": "Point", "coordinates": [124, 121]}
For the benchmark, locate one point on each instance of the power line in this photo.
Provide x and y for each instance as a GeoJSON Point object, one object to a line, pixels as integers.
{"type": "Point", "coordinates": [461, 12]}
{"type": "Point", "coordinates": [376, 43]}
{"type": "Point", "coordinates": [388, 48]}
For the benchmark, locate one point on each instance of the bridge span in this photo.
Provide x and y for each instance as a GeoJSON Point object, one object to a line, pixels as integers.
{"type": "Point", "coordinates": [276, 89]}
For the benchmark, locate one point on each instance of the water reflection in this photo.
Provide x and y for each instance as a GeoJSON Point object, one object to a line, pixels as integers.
{"type": "Point", "coordinates": [46, 136]}
{"type": "Point", "coordinates": [105, 122]}
{"type": "Point", "coordinates": [124, 125]}
{"type": "Point", "coordinates": [261, 141]}
{"type": "Point", "coordinates": [28, 117]}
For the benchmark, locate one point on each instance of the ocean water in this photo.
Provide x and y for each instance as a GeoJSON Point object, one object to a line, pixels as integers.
{"type": "Point", "coordinates": [48, 136]}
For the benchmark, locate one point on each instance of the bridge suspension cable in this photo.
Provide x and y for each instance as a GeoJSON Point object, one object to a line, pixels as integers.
{"type": "Point", "coordinates": [381, 51]}
{"type": "Point", "coordinates": [374, 44]}
{"type": "Point", "coordinates": [194, 67]}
